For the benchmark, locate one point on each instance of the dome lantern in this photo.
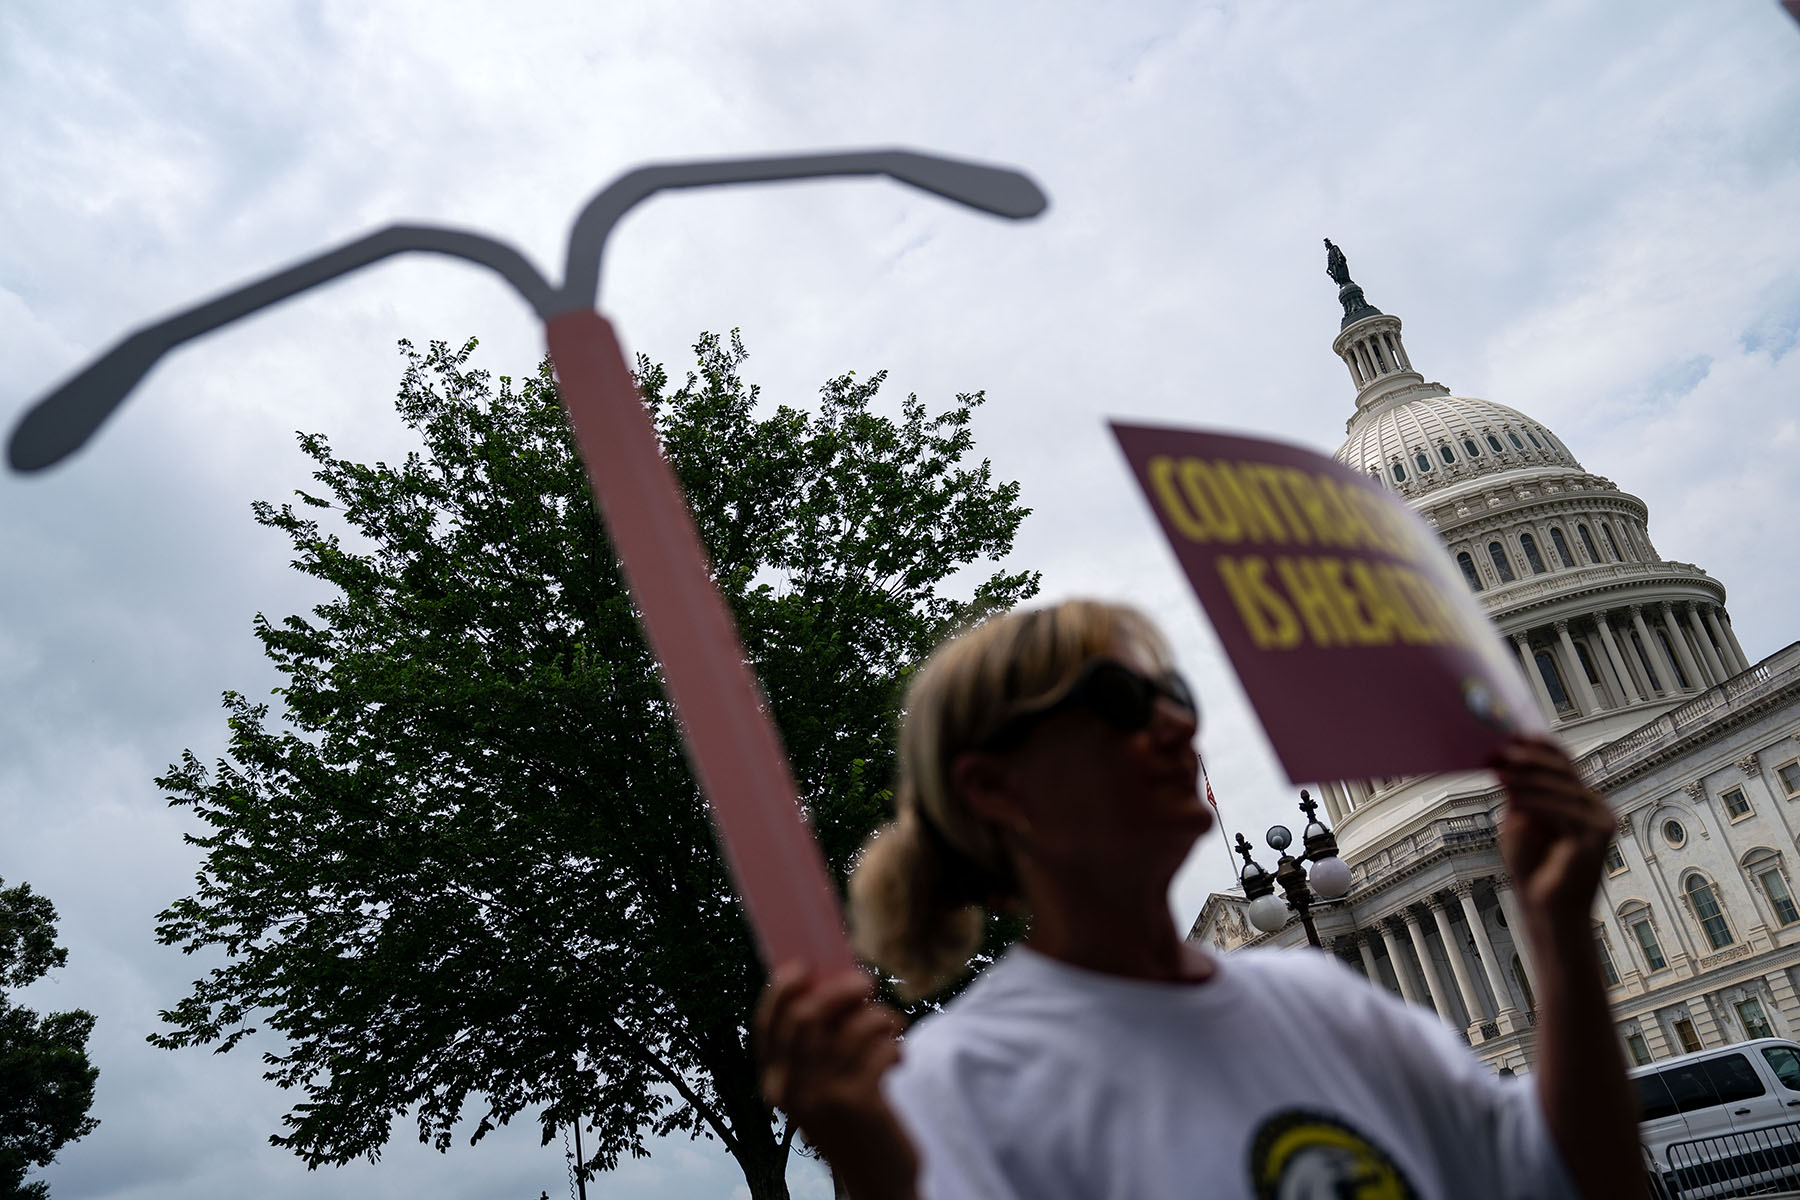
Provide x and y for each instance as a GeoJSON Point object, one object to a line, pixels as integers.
{"type": "Point", "coordinates": [1369, 342]}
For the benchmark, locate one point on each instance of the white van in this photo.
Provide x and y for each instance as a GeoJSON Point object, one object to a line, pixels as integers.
{"type": "Point", "coordinates": [1735, 1090]}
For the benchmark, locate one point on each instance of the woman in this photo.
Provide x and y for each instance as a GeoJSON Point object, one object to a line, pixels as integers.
{"type": "Point", "coordinates": [1047, 762]}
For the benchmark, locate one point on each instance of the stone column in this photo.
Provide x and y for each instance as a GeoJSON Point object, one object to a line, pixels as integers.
{"type": "Point", "coordinates": [1722, 642]}
{"type": "Point", "coordinates": [1691, 667]}
{"type": "Point", "coordinates": [1787, 1003]}
{"type": "Point", "coordinates": [1612, 691]}
{"type": "Point", "coordinates": [1440, 999]}
{"type": "Point", "coordinates": [1370, 967]}
{"type": "Point", "coordinates": [1393, 948]}
{"type": "Point", "coordinates": [1496, 974]}
{"type": "Point", "coordinates": [1583, 691]}
{"type": "Point", "coordinates": [1700, 1012]}
{"type": "Point", "coordinates": [1665, 670]}
{"type": "Point", "coordinates": [1628, 650]}
{"type": "Point", "coordinates": [1533, 677]}
{"type": "Point", "coordinates": [1655, 1039]}
{"type": "Point", "coordinates": [1731, 636]}
{"type": "Point", "coordinates": [1703, 641]}
{"type": "Point", "coordinates": [1465, 987]}
{"type": "Point", "coordinates": [1515, 925]}
{"type": "Point", "coordinates": [1628, 684]}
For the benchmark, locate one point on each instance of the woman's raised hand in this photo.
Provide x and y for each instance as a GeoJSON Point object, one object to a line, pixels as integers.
{"type": "Point", "coordinates": [1555, 832]}
{"type": "Point", "coordinates": [824, 1045]}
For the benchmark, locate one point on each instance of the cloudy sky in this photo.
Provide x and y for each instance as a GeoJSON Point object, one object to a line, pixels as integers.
{"type": "Point", "coordinates": [1582, 210]}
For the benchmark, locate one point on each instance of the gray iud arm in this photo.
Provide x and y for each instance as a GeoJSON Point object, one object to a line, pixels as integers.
{"type": "Point", "coordinates": [60, 423]}
{"type": "Point", "coordinates": [996, 190]}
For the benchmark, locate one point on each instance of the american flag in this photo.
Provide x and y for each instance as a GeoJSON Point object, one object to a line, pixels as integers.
{"type": "Point", "coordinates": [1219, 817]}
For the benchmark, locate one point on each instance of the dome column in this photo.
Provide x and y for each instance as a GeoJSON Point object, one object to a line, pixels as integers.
{"type": "Point", "coordinates": [1703, 639]}
{"type": "Point", "coordinates": [1635, 658]}
{"type": "Point", "coordinates": [1534, 676]}
{"type": "Point", "coordinates": [1726, 645]}
{"type": "Point", "coordinates": [1611, 686]}
{"type": "Point", "coordinates": [1465, 986]}
{"type": "Point", "coordinates": [1367, 950]}
{"type": "Point", "coordinates": [1627, 684]}
{"type": "Point", "coordinates": [1690, 667]}
{"type": "Point", "coordinates": [1665, 669]}
{"type": "Point", "coordinates": [1394, 956]}
{"type": "Point", "coordinates": [1583, 691]}
{"type": "Point", "coordinates": [1515, 923]}
{"type": "Point", "coordinates": [1724, 620]}
{"type": "Point", "coordinates": [1508, 1015]}
{"type": "Point", "coordinates": [1427, 967]}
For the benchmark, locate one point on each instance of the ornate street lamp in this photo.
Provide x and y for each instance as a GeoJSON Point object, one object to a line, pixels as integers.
{"type": "Point", "coordinates": [1328, 880]}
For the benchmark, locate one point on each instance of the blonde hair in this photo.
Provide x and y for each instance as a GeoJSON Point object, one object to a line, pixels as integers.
{"type": "Point", "coordinates": [923, 883]}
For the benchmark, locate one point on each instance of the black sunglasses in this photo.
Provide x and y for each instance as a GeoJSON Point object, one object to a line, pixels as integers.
{"type": "Point", "coordinates": [1118, 695]}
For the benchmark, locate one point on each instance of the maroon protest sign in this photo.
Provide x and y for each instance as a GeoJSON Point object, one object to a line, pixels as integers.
{"type": "Point", "coordinates": [1360, 648]}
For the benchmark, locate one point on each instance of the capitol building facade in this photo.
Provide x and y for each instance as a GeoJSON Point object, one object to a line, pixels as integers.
{"type": "Point", "coordinates": [1634, 659]}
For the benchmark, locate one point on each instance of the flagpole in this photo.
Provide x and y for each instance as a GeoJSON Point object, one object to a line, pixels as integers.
{"type": "Point", "coordinates": [1218, 817]}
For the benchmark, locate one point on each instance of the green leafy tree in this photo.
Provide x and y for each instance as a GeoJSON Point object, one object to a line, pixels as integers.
{"type": "Point", "coordinates": [472, 875]}
{"type": "Point", "coordinates": [46, 1081]}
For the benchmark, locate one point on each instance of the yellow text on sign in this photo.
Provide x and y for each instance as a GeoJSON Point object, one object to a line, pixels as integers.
{"type": "Point", "coordinates": [1327, 601]}
{"type": "Point", "coordinates": [1220, 502]}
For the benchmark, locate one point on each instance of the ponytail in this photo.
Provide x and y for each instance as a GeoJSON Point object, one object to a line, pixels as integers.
{"type": "Point", "coordinates": [923, 882]}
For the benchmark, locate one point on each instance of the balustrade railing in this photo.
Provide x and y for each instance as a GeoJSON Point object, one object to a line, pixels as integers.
{"type": "Point", "coordinates": [1777, 671]}
{"type": "Point", "coordinates": [1443, 833]}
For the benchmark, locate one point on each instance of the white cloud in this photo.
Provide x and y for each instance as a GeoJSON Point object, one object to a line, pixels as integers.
{"type": "Point", "coordinates": [1569, 205]}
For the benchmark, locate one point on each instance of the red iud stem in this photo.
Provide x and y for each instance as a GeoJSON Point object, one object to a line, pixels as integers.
{"type": "Point", "coordinates": [734, 749]}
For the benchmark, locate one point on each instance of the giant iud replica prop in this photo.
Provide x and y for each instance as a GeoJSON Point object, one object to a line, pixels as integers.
{"type": "Point", "coordinates": [730, 741]}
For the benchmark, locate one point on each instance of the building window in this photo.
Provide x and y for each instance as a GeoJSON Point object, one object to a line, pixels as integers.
{"type": "Point", "coordinates": [1399, 471]}
{"type": "Point", "coordinates": [1615, 860]}
{"type": "Point", "coordinates": [1559, 696]}
{"type": "Point", "coordinates": [1780, 900]}
{"type": "Point", "coordinates": [1640, 1049]}
{"type": "Point", "coordinates": [1514, 439]}
{"type": "Point", "coordinates": [1534, 441]}
{"type": "Point", "coordinates": [1587, 539]}
{"type": "Point", "coordinates": [1646, 939]}
{"type": "Point", "coordinates": [1495, 443]}
{"type": "Point", "coordinates": [1789, 774]}
{"type": "Point", "coordinates": [1706, 909]}
{"type": "Point", "coordinates": [1607, 971]}
{"type": "Point", "coordinates": [1684, 1033]}
{"type": "Point", "coordinates": [1468, 569]}
{"type": "Point", "coordinates": [1424, 464]}
{"type": "Point", "coordinates": [1448, 455]}
{"type": "Point", "coordinates": [1674, 834]}
{"type": "Point", "coordinates": [1735, 804]}
{"type": "Point", "coordinates": [1755, 1022]}
{"type": "Point", "coordinates": [1606, 532]}
{"type": "Point", "coordinates": [1786, 1064]}
{"type": "Point", "coordinates": [1501, 566]}
{"type": "Point", "coordinates": [1529, 545]}
{"type": "Point", "coordinates": [1470, 448]}
{"type": "Point", "coordinates": [1562, 547]}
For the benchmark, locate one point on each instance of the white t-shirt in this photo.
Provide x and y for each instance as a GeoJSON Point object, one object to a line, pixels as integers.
{"type": "Point", "coordinates": [1285, 1075]}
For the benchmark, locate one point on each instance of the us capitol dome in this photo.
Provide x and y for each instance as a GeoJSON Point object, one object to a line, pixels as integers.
{"type": "Point", "coordinates": [1633, 659]}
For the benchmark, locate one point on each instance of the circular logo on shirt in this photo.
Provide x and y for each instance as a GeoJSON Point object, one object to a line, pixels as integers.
{"type": "Point", "coordinates": [1299, 1155]}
